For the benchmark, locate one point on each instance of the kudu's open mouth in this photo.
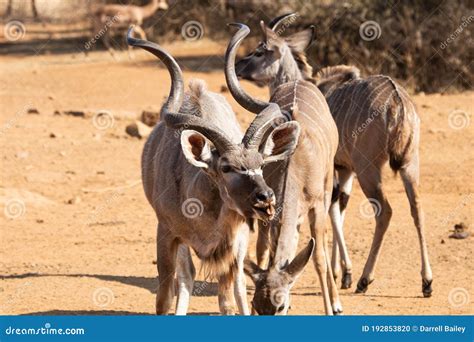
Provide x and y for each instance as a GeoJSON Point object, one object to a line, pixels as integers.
{"type": "Point", "coordinates": [265, 210]}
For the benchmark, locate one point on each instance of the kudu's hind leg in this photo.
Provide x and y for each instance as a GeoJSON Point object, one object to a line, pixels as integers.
{"type": "Point", "coordinates": [167, 247]}
{"type": "Point", "coordinates": [410, 177]}
{"type": "Point", "coordinates": [337, 212]}
{"type": "Point", "coordinates": [316, 223]}
{"type": "Point", "coordinates": [333, 292]}
{"type": "Point", "coordinates": [371, 183]}
{"type": "Point", "coordinates": [185, 273]}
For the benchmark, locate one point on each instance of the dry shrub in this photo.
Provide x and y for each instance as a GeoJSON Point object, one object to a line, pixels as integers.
{"type": "Point", "coordinates": [427, 45]}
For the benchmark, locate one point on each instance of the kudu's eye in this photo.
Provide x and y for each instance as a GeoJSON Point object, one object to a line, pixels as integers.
{"type": "Point", "coordinates": [280, 308]}
{"type": "Point", "coordinates": [258, 53]}
{"type": "Point", "coordinates": [226, 168]}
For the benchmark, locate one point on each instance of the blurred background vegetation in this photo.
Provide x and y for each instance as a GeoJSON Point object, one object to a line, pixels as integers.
{"type": "Point", "coordinates": [427, 45]}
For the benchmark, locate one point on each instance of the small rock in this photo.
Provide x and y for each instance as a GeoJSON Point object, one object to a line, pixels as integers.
{"type": "Point", "coordinates": [78, 113]}
{"type": "Point", "coordinates": [100, 172]}
{"type": "Point", "coordinates": [32, 111]}
{"type": "Point", "coordinates": [50, 97]}
{"type": "Point", "coordinates": [224, 89]}
{"type": "Point", "coordinates": [460, 231]}
{"type": "Point", "coordinates": [57, 112]}
{"type": "Point", "coordinates": [52, 135]}
{"type": "Point", "coordinates": [150, 118]}
{"type": "Point", "coordinates": [138, 129]}
{"type": "Point", "coordinates": [74, 200]}
{"type": "Point", "coordinates": [63, 154]}
{"type": "Point", "coordinates": [39, 221]}
{"type": "Point", "coordinates": [442, 241]}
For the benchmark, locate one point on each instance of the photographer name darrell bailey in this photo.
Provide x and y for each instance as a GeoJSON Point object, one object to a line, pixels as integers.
{"type": "Point", "coordinates": [442, 328]}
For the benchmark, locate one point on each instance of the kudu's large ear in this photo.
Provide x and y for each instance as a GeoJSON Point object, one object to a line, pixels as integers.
{"type": "Point", "coordinates": [295, 268]}
{"type": "Point", "coordinates": [282, 142]}
{"type": "Point", "coordinates": [252, 270]}
{"type": "Point", "coordinates": [196, 148]}
{"type": "Point", "coordinates": [300, 41]}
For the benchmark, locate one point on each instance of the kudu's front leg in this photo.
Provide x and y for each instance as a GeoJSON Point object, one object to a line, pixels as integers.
{"type": "Point", "coordinates": [240, 284]}
{"type": "Point", "coordinates": [167, 247]}
{"type": "Point", "coordinates": [185, 274]}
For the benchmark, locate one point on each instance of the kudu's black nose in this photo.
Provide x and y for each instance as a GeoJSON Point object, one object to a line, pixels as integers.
{"type": "Point", "coordinates": [265, 195]}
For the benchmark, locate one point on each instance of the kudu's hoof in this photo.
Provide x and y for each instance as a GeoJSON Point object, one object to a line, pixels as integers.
{"type": "Point", "coordinates": [363, 285]}
{"type": "Point", "coordinates": [337, 312]}
{"type": "Point", "coordinates": [346, 281]}
{"type": "Point", "coordinates": [426, 288]}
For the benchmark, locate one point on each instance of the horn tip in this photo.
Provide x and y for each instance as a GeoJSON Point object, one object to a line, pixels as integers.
{"type": "Point", "coordinates": [130, 39]}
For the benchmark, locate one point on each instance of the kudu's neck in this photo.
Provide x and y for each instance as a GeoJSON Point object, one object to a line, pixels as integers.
{"type": "Point", "coordinates": [287, 72]}
{"type": "Point", "coordinates": [149, 9]}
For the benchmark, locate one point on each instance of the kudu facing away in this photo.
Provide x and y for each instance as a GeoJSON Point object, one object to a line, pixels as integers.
{"type": "Point", "coordinates": [302, 186]}
{"type": "Point", "coordinates": [377, 122]}
{"type": "Point", "coordinates": [213, 173]}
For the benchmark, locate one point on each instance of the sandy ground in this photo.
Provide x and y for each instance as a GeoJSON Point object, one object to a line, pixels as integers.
{"type": "Point", "coordinates": [78, 236]}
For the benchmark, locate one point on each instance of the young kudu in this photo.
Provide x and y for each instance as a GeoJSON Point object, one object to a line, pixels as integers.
{"type": "Point", "coordinates": [377, 122]}
{"type": "Point", "coordinates": [302, 187]}
{"type": "Point", "coordinates": [203, 178]}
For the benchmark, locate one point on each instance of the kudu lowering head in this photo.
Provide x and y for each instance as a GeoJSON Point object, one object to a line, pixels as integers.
{"type": "Point", "coordinates": [275, 52]}
{"type": "Point", "coordinates": [272, 286]}
{"type": "Point", "coordinates": [235, 168]}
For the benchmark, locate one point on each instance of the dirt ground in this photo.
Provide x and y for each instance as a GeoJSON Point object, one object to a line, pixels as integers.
{"type": "Point", "coordinates": [78, 236]}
